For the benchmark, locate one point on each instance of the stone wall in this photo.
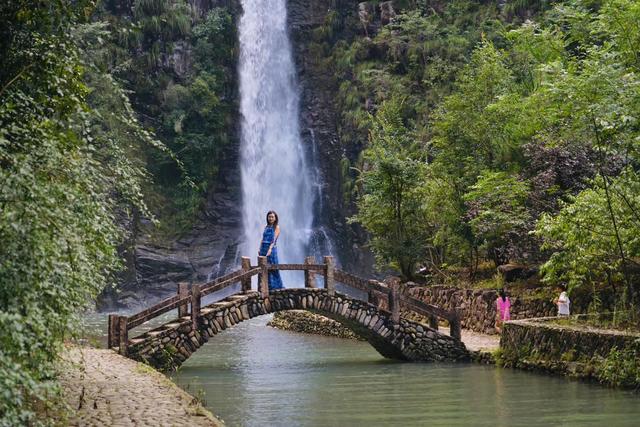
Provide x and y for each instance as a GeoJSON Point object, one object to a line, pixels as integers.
{"type": "Point", "coordinates": [552, 340]}
{"type": "Point", "coordinates": [477, 306]}
{"type": "Point", "coordinates": [552, 346]}
{"type": "Point", "coordinates": [310, 323]}
{"type": "Point", "coordinates": [168, 346]}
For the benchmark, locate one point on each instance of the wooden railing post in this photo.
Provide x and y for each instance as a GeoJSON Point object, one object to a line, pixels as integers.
{"type": "Point", "coordinates": [394, 304]}
{"type": "Point", "coordinates": [454, 325]}
{"type": "Point", "coordinates": [373, 298]}
{"type": "Point", "coordinates": [263, 277]}
{"type": "Point", "coordinates": [195, 305]}
{"type": "Point", "coordinates": [183, 291]}
{"type": "Point", "coordinates": [246, 266]}
{"type": "Point", "coordinates": [113, 340]}
{"type": "Point", "coordinates": [309, 276]}
{"type": "Point", "coordinates": [329, 282]}
{"type": "Point", "coordinates": [123, 335]}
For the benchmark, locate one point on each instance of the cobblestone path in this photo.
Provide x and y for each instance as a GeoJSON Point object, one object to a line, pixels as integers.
{"type": "Point", "coordinates": [105, 389]}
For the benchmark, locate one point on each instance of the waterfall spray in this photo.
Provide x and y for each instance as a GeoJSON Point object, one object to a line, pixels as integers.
{"type": "Point", "coordinates": [273, 165]}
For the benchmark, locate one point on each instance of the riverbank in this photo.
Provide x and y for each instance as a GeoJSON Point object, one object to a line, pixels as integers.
{"type": "Point", "coordinates": [103, 388]}
{"type": "Point", "coordinates": [565, 347]}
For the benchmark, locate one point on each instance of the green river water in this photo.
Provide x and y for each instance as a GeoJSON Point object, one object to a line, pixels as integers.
{"type": "Point", "coordinates": [255, 375]}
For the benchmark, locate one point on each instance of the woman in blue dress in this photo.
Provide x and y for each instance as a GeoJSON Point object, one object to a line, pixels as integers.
{"type": "Point", "coordinates": [269, 249]}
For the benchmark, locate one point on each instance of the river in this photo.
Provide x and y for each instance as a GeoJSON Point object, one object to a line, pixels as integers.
{"type": "Point", "coordinates": [254, 375]}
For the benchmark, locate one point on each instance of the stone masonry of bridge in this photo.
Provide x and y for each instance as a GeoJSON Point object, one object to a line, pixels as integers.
{"type": "Point", "coordinates": [168, 346]}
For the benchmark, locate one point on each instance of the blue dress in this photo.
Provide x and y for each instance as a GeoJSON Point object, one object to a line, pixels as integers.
{"type": "Point", "coordinates": [275, 281]}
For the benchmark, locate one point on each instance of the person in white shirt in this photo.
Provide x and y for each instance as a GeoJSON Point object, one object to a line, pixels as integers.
{"type": "Point", "coordinates": [563, 302]}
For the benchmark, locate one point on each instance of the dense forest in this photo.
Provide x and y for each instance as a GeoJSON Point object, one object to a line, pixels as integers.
{"type": "Point", "coordinates": [496, 134]}
{"type": "Point", "coordinates": [475, 133]}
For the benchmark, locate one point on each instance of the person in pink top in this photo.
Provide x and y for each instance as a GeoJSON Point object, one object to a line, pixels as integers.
{"type": "Point", "coordinates": [503, 309]}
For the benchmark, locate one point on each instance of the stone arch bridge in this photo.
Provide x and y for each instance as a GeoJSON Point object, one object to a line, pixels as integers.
{"type": "Point", "coordinates": [377, 318]}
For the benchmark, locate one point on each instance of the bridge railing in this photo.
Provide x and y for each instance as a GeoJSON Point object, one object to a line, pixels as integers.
{"type": "Point", "coordinates": [119, 326]}
{"type": "Point", "coordinates": [396, 301]}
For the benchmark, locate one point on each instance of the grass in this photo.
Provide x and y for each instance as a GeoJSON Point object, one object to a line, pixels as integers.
{"type": "Point", "coordinates": [618, 321]}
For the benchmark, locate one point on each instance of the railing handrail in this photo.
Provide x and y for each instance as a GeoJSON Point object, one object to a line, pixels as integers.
{"type": "Point", "coordinates": [154, 311]}
{"type": "Point", "coordinates": [229, 279]}
{"type": "Point", "coordinates": [425, 308]}
{"type": "Point", "coordinates": [357, 282]}
{"type": "Point", "coordinates": [296, 267]}
{"type": "Point", "coordinates": [170, 303]}
{"type": "Point", "coordinates": [352, 280]}
{"type": "Point", "coordinates": [118, 324]}
{"type": "Point", "coordinates": [217, 284]}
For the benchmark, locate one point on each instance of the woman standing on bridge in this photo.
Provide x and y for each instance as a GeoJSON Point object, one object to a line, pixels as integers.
{"type": "Point", "coordinates": [269, 249]}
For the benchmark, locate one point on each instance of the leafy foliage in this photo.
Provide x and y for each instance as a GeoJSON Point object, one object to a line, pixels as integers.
{"type": "Point", "coordinates": [533, 150]}
{"type": "Point", "coordinates": [414, 57]}
{"type": "Point", "coordinates": [65, 177]}
{"type": "Point", "coordinates": [584, 240]}
{"type": "Point", "coordinates": [621, 368]}
{"type": "Point", "coordinates": [390, 207]}
{"type": "Point", "coordinates": [180, 69]}
{"type": "Point", "coordinates": [497, 213]}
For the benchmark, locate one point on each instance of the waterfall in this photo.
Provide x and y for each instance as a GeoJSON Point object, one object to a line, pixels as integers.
{"type": "Point", "coordinates": [273, 165]}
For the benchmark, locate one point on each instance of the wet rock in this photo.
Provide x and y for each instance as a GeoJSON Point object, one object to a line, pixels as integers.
{"type": "Point", "coordinates": [306, 322]}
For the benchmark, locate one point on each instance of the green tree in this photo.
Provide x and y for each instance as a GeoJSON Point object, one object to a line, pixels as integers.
{"type": "Point", "coordinates": [476, 129]}
{"type": "Point", "coordinates": [390, 206]}
{"type": "Point", "coordinates": [497, 215]}
{"type": "Point", "coordinates": [65, 131]}
{"type": "Point", "coordinates": [584, 241]}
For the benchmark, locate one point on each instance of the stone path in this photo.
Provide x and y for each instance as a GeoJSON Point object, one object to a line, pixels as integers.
{"type": "Point", "coordinates": [105, 389]}
{"type": "Point", "coordinates": [475, 341]}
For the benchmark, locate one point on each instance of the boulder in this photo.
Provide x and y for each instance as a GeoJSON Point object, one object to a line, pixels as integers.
{"type": "Point", "coordinates": [365, 14]}
{"type": "Point", "coordinates": [386, 12]}
{"type": "Point", "coordinates": [512, 272]}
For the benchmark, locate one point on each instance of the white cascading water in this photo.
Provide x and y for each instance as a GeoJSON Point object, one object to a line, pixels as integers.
{"type": "Point", "coordinates": [273, 167]}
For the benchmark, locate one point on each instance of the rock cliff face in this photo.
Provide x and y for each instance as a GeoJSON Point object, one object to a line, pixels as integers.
{"type": "Point", "coordinates": [212, 246]}
{"type": "Point", "coordinates": [319, 124]}
{"type": "Point", "coordinates": [153, 268]}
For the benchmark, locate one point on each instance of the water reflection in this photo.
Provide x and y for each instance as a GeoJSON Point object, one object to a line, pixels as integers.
{"type": "Point", "coordinates": [254, 375]}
